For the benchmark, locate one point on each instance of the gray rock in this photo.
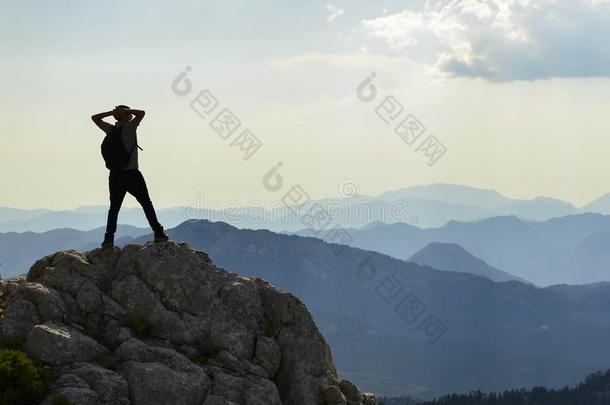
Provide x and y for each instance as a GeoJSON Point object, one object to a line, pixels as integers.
{"type": "Point", "coordinates": [229, 361]}
{"type": "Point", "coordinates": [333, 396]}
{"type": "Point", "coordinates": [110, 387]}
{"type": "Point", "coordinates": [59, 344]}
{"type": "Point", "coordinates": [268, 354]}
{"type": "Point", "coordinates": [307, 363]}
{"type": "Point", "coordinates": [136, 350]}
{"type": "Point", "coordinates": [217, 400]}
{"type": "Point", "coordinates": [261, 391]}
{"type": "Point", "coordinates": [141, 302]}
{"type": "Point", "coordinates": [112, 308]}
{"type": "Point", "coordinates": [160, 324]}
{"type": "Point", "coordinates": [65, 271]}
{"type": "Point", "coordinates": [76, 396]}
{"type": "Point", "coordinates": [350, 391]}
{"type": "Point", "coordinates": [369, 399]}
{"type": "Point", "coordinates": [20, 316]}
{"type": "Point", "coordinates": [89, 297]}
{"type": "Point", "coordinates": [87, 383]}
{"type": "Point", "coordinates": [227, 385]}
{"type": "Point", "coordinates": [157, 384]}
{"type": "Point", "coordinates": [48, 301]}
{"type": "Point", "coordinates": [67, 379]}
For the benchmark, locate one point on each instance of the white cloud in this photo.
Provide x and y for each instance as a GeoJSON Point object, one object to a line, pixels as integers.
{"type": "Point", "coordinates": [503, 40]}
{"type": "Point", "coordinates": [333, 12]}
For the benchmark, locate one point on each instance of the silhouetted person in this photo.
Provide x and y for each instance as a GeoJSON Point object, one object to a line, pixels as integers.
{"type": "Point", "coordinates": [120, 151]}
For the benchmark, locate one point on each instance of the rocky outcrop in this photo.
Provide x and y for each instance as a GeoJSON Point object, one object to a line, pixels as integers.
{"type": "Point", "coordinates": [160, 324]}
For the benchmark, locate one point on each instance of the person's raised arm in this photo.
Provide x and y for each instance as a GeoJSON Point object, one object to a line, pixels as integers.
{"type": "Point", "coordinates": [98, 119]}
{"type": "Point", "coordinates": [138, 115]}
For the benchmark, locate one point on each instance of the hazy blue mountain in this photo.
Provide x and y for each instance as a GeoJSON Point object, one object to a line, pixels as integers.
{"type": "Point", "coordinates": [18, 251]}
{"type": "Point", "coordinates": [538, 209]}
{"type": "Point", "coordinates": [497, 335]}
{"type": "Point", "coordinates": [54, 220]}
{"type": "Point", "coordinates": [589, 260]}
{"type": "Point", "coordinates": [451, 194]}
{"type": "Point", "coordinates": [492, 202]}
{"type": "Point", "coordinates": [453, 257]}
{"type": "Point", "coordinates": [541, 252]}
{"type": "Point", "coordinates": [16, 214]}
{"type": "Point", "coordinates": [431, 214]}
{"type": "Point", "coordinates": [85, 219]}
{"type": "Point", "coordinates": [93, 209]}
{"type": "Point", "coordinates": [373, 224]}
{"type": "Point", "coordinates": [428, 206]}
{"type": "Point", "coordinates": [600, 205]}
{"type": "Point", "coordinates": [577, 292]}
{"type": "Point", "coordinates": [349, 212]}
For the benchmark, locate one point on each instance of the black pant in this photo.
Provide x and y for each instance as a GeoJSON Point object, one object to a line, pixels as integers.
{"type": "Point", "coordinates": [132, 182]}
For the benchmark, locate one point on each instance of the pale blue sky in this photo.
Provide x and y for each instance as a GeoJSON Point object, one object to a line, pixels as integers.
{"type": "Point", "coordinates": [516, 91]}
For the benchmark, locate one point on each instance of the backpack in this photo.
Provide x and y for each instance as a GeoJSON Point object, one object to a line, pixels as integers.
{"type": "Point", "coordinates": [113, 151]}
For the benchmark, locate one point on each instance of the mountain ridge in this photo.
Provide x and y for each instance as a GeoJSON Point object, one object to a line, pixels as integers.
{"type": "Point", "coordinates": [540, 252]}
{"type": "Point", "coordinates": [428, 206]}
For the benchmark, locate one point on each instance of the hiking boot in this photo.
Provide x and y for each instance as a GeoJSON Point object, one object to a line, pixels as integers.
{"type": "Point", "coordinates": [161, 236]}
{"type": "Point", "coordinates": [108, 241]}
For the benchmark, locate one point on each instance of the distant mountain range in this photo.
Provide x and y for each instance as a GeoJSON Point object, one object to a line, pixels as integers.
{"type": "Point", "coordinates": [82, 218]}
{"type": "Point", "coordinates": [426, 206]}
{"type": "Point", "coordinates": [573, 249]}
{"type": "Point", "coordinates": [372, 308]}
{"type": "Point", "coordinates": [494, 203]}
{"type": "Point", "coordinates": [18, 251]}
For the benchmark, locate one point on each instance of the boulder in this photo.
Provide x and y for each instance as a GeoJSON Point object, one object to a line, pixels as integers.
{"type": "Point", "coordinates": [60, 344]}
{"type": "Point", "coordinates": [351, 392]}
{"type": "Point", "coordinates": [216, 400]}
{"type": "Point", "coordinates": [157, 384]}
{"type": "Point", "coordinates": [88, 383]}
{"type": "Point", "coordinates": [160, 324]}
{"type": "Point", "coordinates": [268, 355]}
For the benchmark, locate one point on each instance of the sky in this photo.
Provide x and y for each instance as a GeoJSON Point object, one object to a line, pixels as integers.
{"type": "Point", "coordinates": [515, 92]}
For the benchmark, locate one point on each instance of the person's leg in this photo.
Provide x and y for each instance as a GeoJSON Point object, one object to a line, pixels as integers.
{"type": "Point", "coordinates": [137, 188]}
{"type": "Point", "coordinates": [117, 186]}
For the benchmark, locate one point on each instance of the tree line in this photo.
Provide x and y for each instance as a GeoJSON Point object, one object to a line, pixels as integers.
{"type": "Point", "coordinates": [595, 390]}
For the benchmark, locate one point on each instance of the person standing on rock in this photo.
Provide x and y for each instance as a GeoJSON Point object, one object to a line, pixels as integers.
{"type": "Point", "coordinates": [120, 152]}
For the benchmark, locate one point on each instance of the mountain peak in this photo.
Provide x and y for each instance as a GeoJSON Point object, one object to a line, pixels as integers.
{"type": "Point", "coordinates": [600, 205]}
{"type": "Point", "coordinates": [160, 324]}
{"type": "Point", "coordinates": [445, 246]}
{"type": "Point", "coordinates": [453, 257]}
